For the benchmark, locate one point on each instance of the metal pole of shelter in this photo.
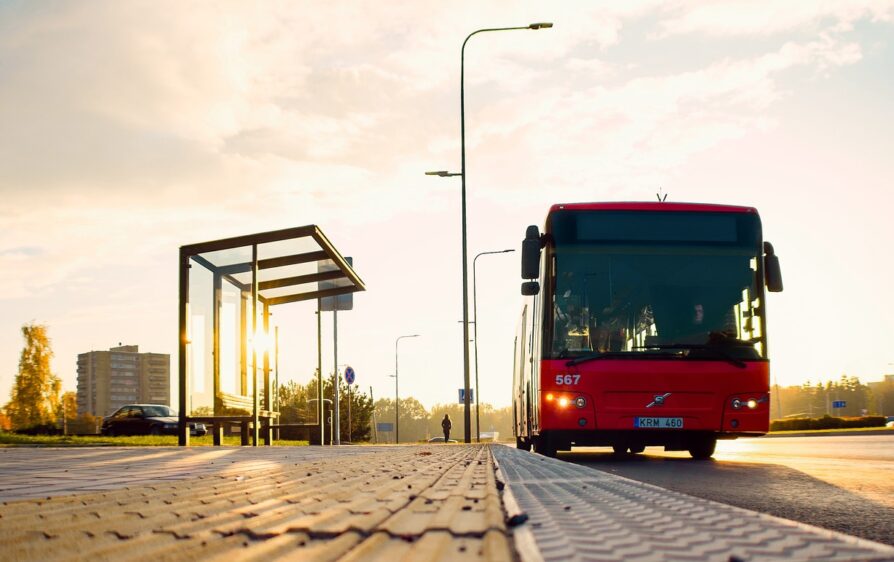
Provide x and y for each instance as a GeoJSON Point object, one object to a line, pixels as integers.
{"type": "Point", "coordinates": [375, 425]}
{"type": "Point", "coordinates": [336, 421]}
{"type": "Point", "coordinates": [254, 345]}
{"type": "Point", "coordinates": [276, 374]}
{"type": "Point", "coordinates": [320, 413]}
{"type": "Point", "coordinates": [183, 319]}
{"type": "Point", "coordinates": [276, 368]}
{"type": "Point", "coordinates": [268, 431]}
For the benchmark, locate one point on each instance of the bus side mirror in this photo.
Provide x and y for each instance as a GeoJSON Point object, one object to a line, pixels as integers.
{"type": "Point", "coordinates": [530, 254]}
{"type": "Point", "coordinates": [530, 288]}
{"type": "Point", "coordinates": [772, 272]}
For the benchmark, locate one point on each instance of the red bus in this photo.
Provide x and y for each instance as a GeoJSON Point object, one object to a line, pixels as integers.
{"type": "Point", "coordinates": [643, 324]}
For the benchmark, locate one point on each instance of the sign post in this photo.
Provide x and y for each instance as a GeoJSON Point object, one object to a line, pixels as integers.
{"type": "Point", "coordinates": [462, 395]}
{"type": "Point", "coordinates": [340, 302]}
{"type": "Point", "coordinates": [349, 378]}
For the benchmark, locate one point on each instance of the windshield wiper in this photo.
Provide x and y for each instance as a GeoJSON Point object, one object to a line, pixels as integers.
{"type": "Point", "coordinates": [713, 349]}
{"type": "Point", "coordinates": [597, 355]}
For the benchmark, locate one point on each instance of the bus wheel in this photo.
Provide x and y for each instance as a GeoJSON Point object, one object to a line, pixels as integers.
{"type": "Point", "coordinates": [544, 446]}
{"type": "Point", "coordinates": [637, 449]}
{"type": "Point", "coordinates": [523, 444]}
{"type": "Point", "coordinates": [703, 448]}
{"type": "Point", "coordinates": [619, 449]}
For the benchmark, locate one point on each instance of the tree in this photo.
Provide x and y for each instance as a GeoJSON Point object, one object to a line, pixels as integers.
{"type": "Point", "coordinates": [69, 407]}
{"type": "Point", "coordinates": [298, 404]}
{"type": "Point", "coordinates": [34, 400]}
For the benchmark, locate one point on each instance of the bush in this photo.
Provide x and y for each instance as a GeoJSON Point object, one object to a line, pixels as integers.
{"type": "Point", "coordinates": [826, 422]}
{"type": "Point", "coordinates": [85, 424]}
{"type": "Point", "coordinates": [42, 429]}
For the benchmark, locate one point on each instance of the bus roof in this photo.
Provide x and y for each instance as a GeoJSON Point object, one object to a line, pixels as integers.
{"type": "Point", "coordinates": [651, 206]}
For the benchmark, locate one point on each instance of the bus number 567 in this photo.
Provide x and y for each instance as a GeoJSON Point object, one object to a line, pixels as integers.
{"type": "Point", "coordinates": [567, 379]}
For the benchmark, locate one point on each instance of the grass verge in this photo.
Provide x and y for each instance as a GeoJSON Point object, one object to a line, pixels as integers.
{"type": "Point", "coordinates": [14, 439]}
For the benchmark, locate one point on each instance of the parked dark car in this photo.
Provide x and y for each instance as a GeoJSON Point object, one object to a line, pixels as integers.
{"type": "Point", "coordinates": [146, 419]}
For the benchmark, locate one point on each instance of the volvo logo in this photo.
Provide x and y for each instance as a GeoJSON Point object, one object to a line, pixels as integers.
{"type": "Point", "coordinates": [658, 400]}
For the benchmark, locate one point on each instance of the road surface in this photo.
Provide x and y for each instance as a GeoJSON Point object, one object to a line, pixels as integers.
{"type": "Point", "coordinates": [844, 483]}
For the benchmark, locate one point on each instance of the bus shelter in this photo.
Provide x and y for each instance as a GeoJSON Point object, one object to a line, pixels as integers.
{"type": "Point", "coordinates": [227, 288]}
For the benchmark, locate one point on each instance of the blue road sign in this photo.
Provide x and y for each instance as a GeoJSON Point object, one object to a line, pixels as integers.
{"type": "Point", "coordinates": [462, 395]}
{"type": "Point", "coordinates": [839, 404]}
{"type": "Point", "coordinates": [349, 375]}
{"type": "Point", "coordinates": [384, 426]}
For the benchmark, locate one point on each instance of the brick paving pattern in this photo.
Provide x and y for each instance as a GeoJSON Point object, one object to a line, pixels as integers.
{"type": "Point", "coordinates": [309, 503]}
{"type": "Point", "coordinates": [577, 513]}
{"type": "Point", "coordinates": [371, 503]}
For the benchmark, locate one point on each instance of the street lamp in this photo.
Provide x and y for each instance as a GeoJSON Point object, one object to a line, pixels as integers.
{"type": "Point", "coordinates": [462, 120]}
{"type": "Point", "coordinates": [475, 336]}
{"type": "Point", "coordinates": [396, 396]}
{"type": "Point", "coordinates": [322, 420]}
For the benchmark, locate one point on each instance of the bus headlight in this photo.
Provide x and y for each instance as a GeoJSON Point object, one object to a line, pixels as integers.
{"type": "Point", "coordinates": [580, 402]}
{"type": "Point", "coordinates": [563, 402]}
{"type": "Point", "coordinates": [751, 403]}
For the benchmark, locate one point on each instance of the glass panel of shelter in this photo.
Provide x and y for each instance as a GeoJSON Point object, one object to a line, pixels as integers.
{"type": "Point", "coordinates": [217, 302]}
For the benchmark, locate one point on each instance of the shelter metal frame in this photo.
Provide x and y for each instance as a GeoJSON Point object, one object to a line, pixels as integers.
{"type": "Point", "coordinates": [290, 263]}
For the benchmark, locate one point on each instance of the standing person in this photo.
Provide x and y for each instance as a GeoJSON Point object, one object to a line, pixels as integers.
{"type": "Point", "coordinates": [446, 424]}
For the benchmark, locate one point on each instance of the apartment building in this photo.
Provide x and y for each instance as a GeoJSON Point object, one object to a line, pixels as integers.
{"type": "Point", "coordinates": [122, 375]}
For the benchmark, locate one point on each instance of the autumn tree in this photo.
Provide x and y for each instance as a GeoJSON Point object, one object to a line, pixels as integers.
{"type": "Point", "coordinates": [69, 408]}
{"type": "Point", "coordinates": [34, 400]}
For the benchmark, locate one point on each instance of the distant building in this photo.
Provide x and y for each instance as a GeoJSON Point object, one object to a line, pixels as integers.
{"type": "Point", "coordinates": [122, 375]}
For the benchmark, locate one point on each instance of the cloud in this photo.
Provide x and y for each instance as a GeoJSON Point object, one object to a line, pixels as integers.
{"type": "Point", "coordinates": [626, 130]}
{"type": "Point", "coordinates": [769, 17]}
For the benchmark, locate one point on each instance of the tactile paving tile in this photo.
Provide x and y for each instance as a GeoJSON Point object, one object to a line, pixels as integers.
{"type": "Point", "coordinates": [577, 513]}
{"type": "Point", "coordinates": [397, 503]}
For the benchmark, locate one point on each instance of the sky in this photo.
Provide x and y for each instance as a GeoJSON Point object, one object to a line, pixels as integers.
{"type": "Point", "coordinates": [131, 128]}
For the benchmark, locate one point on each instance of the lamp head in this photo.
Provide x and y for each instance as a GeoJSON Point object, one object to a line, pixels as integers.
{"type": "Point", "coordinates": [541, 25]}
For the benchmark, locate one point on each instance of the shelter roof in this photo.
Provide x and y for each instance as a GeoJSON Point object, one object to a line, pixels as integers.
{"type": "Point", "coordinates": [294, 264]}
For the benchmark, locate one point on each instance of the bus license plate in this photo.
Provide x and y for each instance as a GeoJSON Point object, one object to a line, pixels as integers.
{"type": "Point", "coordinates": [658, 423]}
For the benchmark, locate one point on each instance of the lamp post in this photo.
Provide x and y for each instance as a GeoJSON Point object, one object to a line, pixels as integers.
{"type": "Point", "coordinates": [322, 419]}
{"type": "Point", "coordinates": [467, 418]}
{"type": "Point", "coordinates": [475, 336]}
{"type": "Point", "coordinates": [396, 396]}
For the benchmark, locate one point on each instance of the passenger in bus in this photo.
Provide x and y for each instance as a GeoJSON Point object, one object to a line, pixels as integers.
{"type": "Point", "coordinates": [570, 318]}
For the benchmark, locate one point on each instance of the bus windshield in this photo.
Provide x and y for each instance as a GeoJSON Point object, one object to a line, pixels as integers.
{"type": "Point", "coordinates": [646, 283]}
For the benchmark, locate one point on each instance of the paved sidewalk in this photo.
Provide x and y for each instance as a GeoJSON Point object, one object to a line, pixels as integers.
{"type": "Point", "coordinates": [309, 503]}
{"type": "Point", "coordinates": [33, 472]}
{"type": "Point", "coordinates": [387, 503]}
